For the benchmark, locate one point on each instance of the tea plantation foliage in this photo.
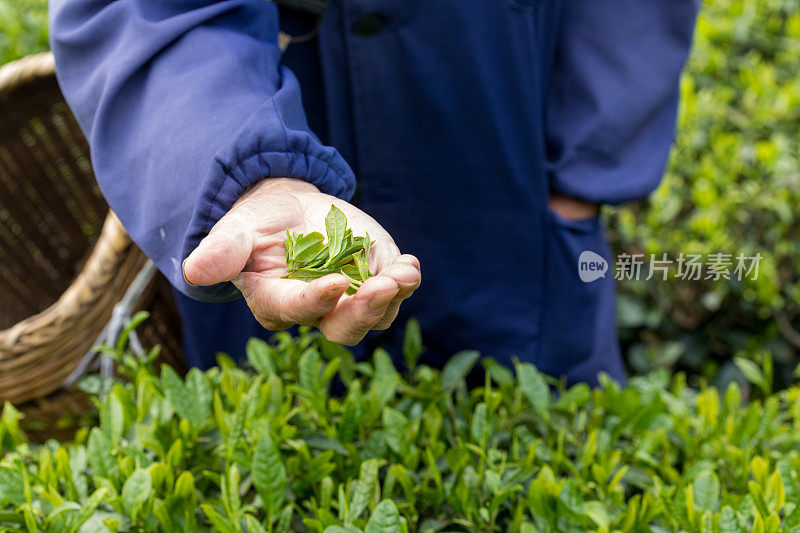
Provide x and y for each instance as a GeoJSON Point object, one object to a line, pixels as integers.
{"type": "Point", "coordinates": [270, 448]}
{"type": "Point", "coordinates": [733, 185]}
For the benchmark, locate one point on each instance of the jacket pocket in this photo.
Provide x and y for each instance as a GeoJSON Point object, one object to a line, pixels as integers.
{"type": "Point", "coordinates": [572, 315]}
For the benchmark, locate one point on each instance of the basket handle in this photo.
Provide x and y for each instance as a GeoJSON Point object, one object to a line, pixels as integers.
{"type": "Point", "coordinates": [120, 318]}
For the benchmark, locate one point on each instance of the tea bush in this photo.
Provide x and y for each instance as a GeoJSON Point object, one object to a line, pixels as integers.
{"type": "Point", "coordinates": [273, 449]}
{"type": "Point", "coordinates": [732, 186]}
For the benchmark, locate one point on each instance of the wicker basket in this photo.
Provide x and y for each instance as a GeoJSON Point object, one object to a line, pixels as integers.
{"type": "Point", "coordinates": [65, 259]}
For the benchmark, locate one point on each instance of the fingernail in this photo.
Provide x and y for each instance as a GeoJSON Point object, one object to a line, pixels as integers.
{"type": "Point", "coordinates": [381, 300]}
{"type": "Point", "coordinates": [183, 272]}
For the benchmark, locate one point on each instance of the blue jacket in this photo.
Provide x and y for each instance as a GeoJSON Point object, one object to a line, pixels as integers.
{"type": "Point", "coordinates": [448, 120]}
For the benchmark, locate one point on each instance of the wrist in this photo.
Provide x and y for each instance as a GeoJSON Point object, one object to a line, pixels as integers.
{"type": "Point", "coordinates": [277, 186]}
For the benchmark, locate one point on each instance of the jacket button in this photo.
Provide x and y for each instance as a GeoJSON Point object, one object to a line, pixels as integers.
{"type": "Point", "coordinates": [368, 25]}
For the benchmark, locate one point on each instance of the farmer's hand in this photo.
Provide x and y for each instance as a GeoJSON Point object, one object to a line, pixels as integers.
{"type": "Point", "coordinates": [246, 247]}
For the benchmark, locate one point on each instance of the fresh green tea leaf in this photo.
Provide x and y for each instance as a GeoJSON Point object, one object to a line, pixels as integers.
{"type": "Point", "coordinates": [11, 486]}
{"type": "Point", "coordinates": [259, 354]}
{"type": "Point", "coordinates": [220, 522]}
{"type": "Point", "coordinates": [534, 388]}
{"type": "Point", "coordinates": [364, 488]}
{"type": "Point", "coordinates": [269, 474]}
{"type": "Point", "coordinates": [499, 373]}
{"type": "Point", "coordinates": [112, 418]}
{"type": "Point", "coordinates": [457, 368]}
{"type": "Point", "coordinates": [190, 399]}
{"type": "Point", "coordinates": [395, 425]}
{"type": "Point", "coordinates": [253, 525]}
{"type": "Point", "coordinates": [706, 491]}
{"type": "Point", "coordinates": [384, 519]}
{"type": "Point", "coordinates": [308, 259]}
{"type": "Point", "coordinates": [307, 247]}
{"type": "Point", "coordinates": [336, 226]}
{"type": "Point", "coordinates": [136, 492]}
{"type": "Point", "coordinates": [99, 451]}
{"type": "Point", "coordinates": [412, 344]}
{"type": "Point", "coordinates": [752, 372]}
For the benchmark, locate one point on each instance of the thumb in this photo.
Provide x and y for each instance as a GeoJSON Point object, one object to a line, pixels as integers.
{"type": "Point", "coordinates": [219, 257]}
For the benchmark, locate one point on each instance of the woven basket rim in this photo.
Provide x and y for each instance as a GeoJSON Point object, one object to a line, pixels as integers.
{"type": "Point", "coordinates": [25, 70]}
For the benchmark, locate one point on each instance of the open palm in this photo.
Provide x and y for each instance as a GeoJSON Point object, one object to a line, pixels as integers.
{"type": "Point", "coordinates": [246, 247]}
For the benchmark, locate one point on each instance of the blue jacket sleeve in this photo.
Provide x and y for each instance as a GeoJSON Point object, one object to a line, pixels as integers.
{"type": "Point", "coordinates": [611, 110]}
{"type": "Point", "coordinates": [185, 104]}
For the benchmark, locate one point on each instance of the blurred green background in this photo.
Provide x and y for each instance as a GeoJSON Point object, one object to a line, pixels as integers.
{"type": "Point", "coordinates": [733, 186]}
{"type": "Point", "coordinates": [23, 28]}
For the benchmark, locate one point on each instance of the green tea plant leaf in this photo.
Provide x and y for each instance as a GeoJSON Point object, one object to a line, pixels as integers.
{"type": "Point", "coordinates": [269, 474]}
{"type": "Point", "coordinates": [310, 365]}
{"type": "Point", "coordinates": [11, 486]}
{"type": "Point", "coordinates": [457, 368]}
{"type": "Point", "coordinates": [335, 225]}
{"type": "Point", "coordinates": [499, 373]}
{"type": "Point", "coordinates": [364, 488]}
{"type": "Point", "coordinates": [307, 247]}
{"type": "Point", "coordinates": [259, 355]}
{"type": "Point", "coordinates": [348, 424]}
{"type": "Point", "coordinates": [395, 425]}
{"type": "Point", "coordinates": [535, 389]}
{"type": "Point", "coordinates": [753, 373]}
{"type": "Point", "coordinates": [199, 388]}
{"type": "Point", "coordinates": [736, 139]}
{"type": "Point", "coordinates": [384, 519]}
{"type": "Point", "coordinates": [230, 492]}
{"type": "Point", "coordinates": [412, 344]}
{"type": "Point", "coordinates": [112, 418]}
{"type": "Point", "coordinates": [220, 522]}
{"type": "Point", "coordinates": [136, 492]}
{"type": "Point", "coordinates": [386, 379]}
{"type": "Point", "coordinates": [706, 491]}
{"type": "Point", "coordinates": [89, 507]}
{"type": "Point", "coordinates": [308, 258]}
{"type": "Point", "coordinates": [253, 525]}
{"type": "Point", "coordinates": [99, 451]}
{"type": "Point", "coordinates": [192, 399]}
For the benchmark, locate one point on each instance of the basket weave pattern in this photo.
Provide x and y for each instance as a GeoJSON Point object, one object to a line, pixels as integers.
{"type": "Point", "coordinates": [65, 259]}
